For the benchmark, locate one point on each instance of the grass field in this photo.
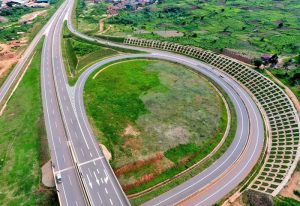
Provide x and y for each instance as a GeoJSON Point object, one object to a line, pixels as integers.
{"type": "Point", "coordinates": [79, 54]}
{"type": "Point", "coordinates": [251, 27]}
{"type": "Point", "coordinates": [23, 145]}
{"type": "Point", "coordinates": [155, 122]}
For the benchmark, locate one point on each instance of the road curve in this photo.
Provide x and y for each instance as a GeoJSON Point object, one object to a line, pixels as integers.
{"type": "Point", "coordinates": [228, 171]}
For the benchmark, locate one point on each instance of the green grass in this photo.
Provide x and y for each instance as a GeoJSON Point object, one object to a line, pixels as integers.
{"type": "Point", "coordinates": [138, 93]}
{"type": "Point", "coordinates": [285, 201]}
{"type": "Point", "coordinates": [79, 54]}
{"type": "Point", "coordinates": [251, 27]}
{"type": "Point", "coordinates": [289, 79]}
{"type": "Point", "coordinates": [22, 138]}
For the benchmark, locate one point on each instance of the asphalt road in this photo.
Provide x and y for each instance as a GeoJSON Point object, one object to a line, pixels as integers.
{"type": "Point", "coordinates": [74, 150]}
{"type": "Point", "coordinates": [91, 173]}
{"type": "Point", "coordinates": [227, 172]}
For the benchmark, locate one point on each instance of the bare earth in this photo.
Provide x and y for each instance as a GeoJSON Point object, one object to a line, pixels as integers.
{"type": "Point", "coordinates": [293, 184]}
{"type": "Point", "coordinates": [32, 16]}
{"type": "Point", "coordinates": [130, 131]}
{"type": "Point", "coordinates": [8, 57]}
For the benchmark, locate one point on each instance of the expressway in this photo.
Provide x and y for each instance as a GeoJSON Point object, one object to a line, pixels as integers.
{"type": "Point", "coordinates": [86, 174]}
{"type": "Point", "coordinates": [87, 178]}
{"type": "Point", "coordinates": [227, 172]}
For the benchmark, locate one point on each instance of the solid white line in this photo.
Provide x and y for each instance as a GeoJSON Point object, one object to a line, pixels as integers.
{"type": "Point", "coordinates": [245, 165]}
{"type": "Point", "coordinates": [93, 160]}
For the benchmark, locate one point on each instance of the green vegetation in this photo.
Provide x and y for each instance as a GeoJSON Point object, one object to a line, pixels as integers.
{"type": "Point", "coordinates": [88, 16]}
{"type": "Point", "coordinates": [79, 54]}
{"type": "Point", "coordinates": [246, 26]}
{"type": "Point", "coordinates": [11, 28]}
{"type": "Point", "coordinates": [136, 101]}
{"type": "Point", "coordinates": [285, 201]}
{"type": "Point", "coordinates": [290, 78]}
{"type": "Point", "coordinates": [23, 147]}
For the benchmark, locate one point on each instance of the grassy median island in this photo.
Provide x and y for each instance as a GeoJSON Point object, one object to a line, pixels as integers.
{"type": "Point", "coordinates": [156, 118]}
{"type": "Point", "coordinates": [23, 146]}
{"type": "Point", "coordinates": [79, 53]}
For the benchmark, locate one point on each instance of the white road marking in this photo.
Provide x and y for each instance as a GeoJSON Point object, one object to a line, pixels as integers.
{"type": "Point", "coordinates": [70, 181]}
{"type": "Point", "coordinates": [91, 154]}
{"type": "Point", "coordinates": [97, 180]}
{"type": "Point", "coordinates": [101, 180]}
{"type": "Point", "coordinates": [111, 201]}
{"type": "Point", "coordinates": [87, 162]}
{"type": "Point", "coordinates": [106, 190]}
{"type": "Point", "coordinates": [90, 171]}
{"type": "Point", "coordinates": [63, 156]}
{"type": "Point", "coordinates": [82, 152]}
{"type": "Point", "coordinates": [98, 171]}
{"type": "Point", "coordinates": [59, 140]}
{"type": "Point", "coordinates": [99, 197]}
{"type": "Point", "coordinates": [90, 183]}
{"type": "Point", "coordinates": [76, 134]}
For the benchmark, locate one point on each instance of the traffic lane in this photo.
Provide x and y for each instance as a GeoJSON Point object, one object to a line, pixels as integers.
{"type": "Point", "coordinates": [69, 193]}
{"type": "Point", "coordinates": [68, 187]}
{"type": "Point", "coordinates": [99, 183]}
{"type": "Point", "coordinates": [58, 80]}
{"type": "Point", "coordinates": [85, 76]}
{"type": "Point", "coordinates": [80, 142]}
{"type": "Point", "coordinates": [215, 192]}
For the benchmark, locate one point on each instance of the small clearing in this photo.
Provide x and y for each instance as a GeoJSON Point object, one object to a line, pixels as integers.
{"type": "Point", "coordinates": [31, 16]}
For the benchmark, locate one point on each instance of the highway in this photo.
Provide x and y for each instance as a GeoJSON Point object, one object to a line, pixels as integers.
{"type": "Point", "coordinates": [91, 173]}
{"type": "Point", "coordinates": [87, 178]}
{"type": "Point", "coordinates": [228, 171]}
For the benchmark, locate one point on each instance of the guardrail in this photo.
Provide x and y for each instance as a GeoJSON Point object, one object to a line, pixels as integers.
{"type": "Point", "coordinates": [283, 150]}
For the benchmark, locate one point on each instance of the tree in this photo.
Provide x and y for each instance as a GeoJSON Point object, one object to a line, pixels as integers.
{"type": "Point", "coordinates": [286, 67]}
{"type": "Point", "coordinates": [273, 60]}
{"type": "Point", "coordinates": [257, 63]}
